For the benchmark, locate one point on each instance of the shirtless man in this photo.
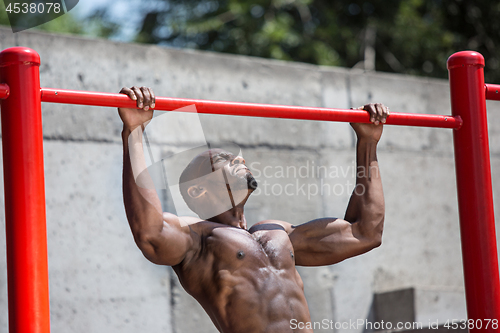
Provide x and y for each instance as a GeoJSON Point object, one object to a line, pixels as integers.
{"type": "Point", "coordinates": [245, 280]}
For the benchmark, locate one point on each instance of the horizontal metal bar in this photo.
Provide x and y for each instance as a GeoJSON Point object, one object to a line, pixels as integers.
{"type": "Point", "coordinates": [247, 109]}
{"type": "Point", "coordinates": [492, 91]}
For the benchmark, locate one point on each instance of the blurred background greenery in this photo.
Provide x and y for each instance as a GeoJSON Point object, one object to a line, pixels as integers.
{"type": "Point", "coordinates": [412, 36]}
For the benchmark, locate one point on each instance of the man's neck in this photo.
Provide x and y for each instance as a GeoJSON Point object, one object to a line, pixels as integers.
{"type": "Point", "coordinates": [234, 217]}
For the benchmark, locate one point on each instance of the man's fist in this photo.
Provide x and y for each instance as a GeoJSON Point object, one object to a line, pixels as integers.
{"type": "Point", "coordinates": [133, 118]}
{"type": "Point", "coordinates": [378, 115]}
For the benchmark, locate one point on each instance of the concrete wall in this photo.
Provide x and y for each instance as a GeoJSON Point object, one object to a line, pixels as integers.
{"type": "Point", "coordinates": [99, 280]}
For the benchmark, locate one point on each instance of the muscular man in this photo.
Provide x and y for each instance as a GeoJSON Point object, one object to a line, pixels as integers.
{"type": "Point", "coordinates": [245, 280]}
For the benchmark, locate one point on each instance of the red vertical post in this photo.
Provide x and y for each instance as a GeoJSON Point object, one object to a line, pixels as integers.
{"type": "Point", "coordinates": [26, 234]}
{"type": "Point", "coordinates": [475, 198]}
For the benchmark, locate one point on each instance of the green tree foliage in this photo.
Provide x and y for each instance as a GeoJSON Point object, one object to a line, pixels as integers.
{"type": "Point", "coordinates": [411, 36]}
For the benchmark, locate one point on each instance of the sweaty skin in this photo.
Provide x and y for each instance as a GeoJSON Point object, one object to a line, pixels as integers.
{"type": "Point", "coordinates": [246, 280]}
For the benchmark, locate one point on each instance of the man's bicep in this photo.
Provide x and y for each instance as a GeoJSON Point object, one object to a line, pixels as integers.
{"type": "Point", "coordinates": [327, 241]}
{"type": "Point", "coordinates": [171, 245]}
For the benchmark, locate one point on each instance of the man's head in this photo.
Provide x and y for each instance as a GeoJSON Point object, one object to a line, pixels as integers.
{"type": "Point", "coordinates": [216, 181]}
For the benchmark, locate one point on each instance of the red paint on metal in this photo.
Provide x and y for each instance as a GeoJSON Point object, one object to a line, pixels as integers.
{"type": "Point", "coordinates": [475, 199]}
{"type": "Point", "coordinates": [492, 91]}
{"type": "Point", "coordinates": [247, 109]}
{"type": "Point", "coordinates": [24, 192]}
{"type": "Point", "coordinates": [4, 91]}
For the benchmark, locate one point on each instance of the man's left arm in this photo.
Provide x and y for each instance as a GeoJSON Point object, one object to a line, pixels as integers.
{"type": "Point", "coordinates": [327, 241]}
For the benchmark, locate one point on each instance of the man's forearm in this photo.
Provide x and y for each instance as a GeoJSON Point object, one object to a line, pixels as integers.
{"type": "Point", "coordinates": [142, 204]}
{"type": "Point", "coordinates": [366, 206]}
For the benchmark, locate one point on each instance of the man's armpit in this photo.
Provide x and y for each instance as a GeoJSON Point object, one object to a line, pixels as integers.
{"type": "Point", "coordinates": [271, 225]}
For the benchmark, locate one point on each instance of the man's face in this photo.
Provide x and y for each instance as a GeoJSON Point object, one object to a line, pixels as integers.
{"type": "Point", "coordinates": [220, 181]}
{"type": "Point", "coordinates": [235, 172]}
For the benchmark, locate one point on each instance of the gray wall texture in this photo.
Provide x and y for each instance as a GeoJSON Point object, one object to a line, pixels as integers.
{"type": "Point", "coordinates": [99, 280]}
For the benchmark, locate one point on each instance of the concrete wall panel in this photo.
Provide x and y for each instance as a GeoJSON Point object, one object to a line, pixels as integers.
{"type": "Point", "coordinates": [99, 279]}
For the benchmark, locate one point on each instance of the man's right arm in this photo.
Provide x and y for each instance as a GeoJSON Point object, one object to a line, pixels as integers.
{"type": "Point", "coordinates": [162, 237]}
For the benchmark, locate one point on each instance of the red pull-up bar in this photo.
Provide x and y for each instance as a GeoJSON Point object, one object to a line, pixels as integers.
{"type": "Point", "coordinates": [474, 189]}
{"type": "Point", "coordinates": [247, 109]}
{"type": "Point", "coordinates": [26, 232]}
{"type": "Point", "coordinates": [492, 91]}
{"type": "Point", "coordinates": [22, 141]}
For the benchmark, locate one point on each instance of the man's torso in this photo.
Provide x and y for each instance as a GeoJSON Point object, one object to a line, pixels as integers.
{"type": "Point", "coordinates": [245, 280]}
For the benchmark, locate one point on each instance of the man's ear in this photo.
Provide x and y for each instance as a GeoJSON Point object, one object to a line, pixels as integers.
{"type": "Point", "coordinates": [196, 191]}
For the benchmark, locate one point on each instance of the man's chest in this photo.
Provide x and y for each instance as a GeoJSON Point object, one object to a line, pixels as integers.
{"type": "Point", "coordinates": [231, 258]}
{"type": "Point", "coordinates": [262, 248]}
